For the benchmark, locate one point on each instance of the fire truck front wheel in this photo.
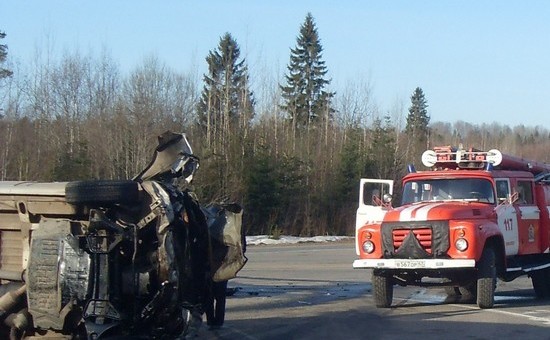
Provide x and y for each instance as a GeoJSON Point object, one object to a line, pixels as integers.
{"type": "Point", "coordinates": [487, 278]}
{"type": "Point", "coordinates": [382, 289]}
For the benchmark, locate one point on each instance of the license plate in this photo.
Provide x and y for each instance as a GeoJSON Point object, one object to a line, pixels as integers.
{"type": "Point", "coordinates": [410, 263]}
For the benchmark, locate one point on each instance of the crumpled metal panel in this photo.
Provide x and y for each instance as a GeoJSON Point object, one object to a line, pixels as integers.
{"type": "Point", "coordinates": [58, 273]}
{"type": "Point", "coordinates": [172, 156]}
{"type": "Point", "coordinates": [162, 209]}
{"type": "Point", "coordinates": [161, 206]}
{"type": "Point", "coordinates": [225, 228]}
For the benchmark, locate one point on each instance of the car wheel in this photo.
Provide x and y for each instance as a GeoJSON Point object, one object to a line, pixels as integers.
{"type": "Point", "coordinates": [102, 192]}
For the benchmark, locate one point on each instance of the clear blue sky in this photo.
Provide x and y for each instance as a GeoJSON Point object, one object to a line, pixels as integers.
{"type": "Point", "coordinates": [477, 61]}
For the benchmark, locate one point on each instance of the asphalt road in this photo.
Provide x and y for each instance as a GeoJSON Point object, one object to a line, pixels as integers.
{"type": "Point", "coordinates": [311, 291]}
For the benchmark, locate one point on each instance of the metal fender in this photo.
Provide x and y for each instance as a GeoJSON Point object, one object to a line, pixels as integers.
{"type": "Point", "coordinates": [489, 234]}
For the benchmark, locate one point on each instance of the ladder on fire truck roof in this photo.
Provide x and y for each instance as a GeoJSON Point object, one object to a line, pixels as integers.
{"type": "Point", "coordinates": [446, 156]}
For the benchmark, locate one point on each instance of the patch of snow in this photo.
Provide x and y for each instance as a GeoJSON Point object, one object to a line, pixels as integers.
{"type": "Point", "coordinates": [265, 239]}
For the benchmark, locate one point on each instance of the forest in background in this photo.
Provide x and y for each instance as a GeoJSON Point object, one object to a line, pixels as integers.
{"type": "Point", "coordinates": [291, 151]}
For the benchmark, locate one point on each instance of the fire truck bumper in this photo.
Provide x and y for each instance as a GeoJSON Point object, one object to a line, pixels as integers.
{"type": "Point", "coordinates": [413, 264]}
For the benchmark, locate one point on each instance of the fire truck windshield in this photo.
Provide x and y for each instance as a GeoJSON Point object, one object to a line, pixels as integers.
{"type": "Point", "coordinates": [469, 189]}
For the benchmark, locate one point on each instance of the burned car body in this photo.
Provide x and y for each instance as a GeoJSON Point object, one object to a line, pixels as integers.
{"type": "Point", "coordinates": [100, 259]}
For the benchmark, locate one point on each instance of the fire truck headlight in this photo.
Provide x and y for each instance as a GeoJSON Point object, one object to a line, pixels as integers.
{"type": "Point", "coordinates": [461, 244]}
{"type": "Point", "coordinates": [368, 247]}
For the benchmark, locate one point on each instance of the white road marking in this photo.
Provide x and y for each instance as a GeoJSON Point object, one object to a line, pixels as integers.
{"type": "Point", "coordinates": [526, 315]}
{"type": "Point", "coordinates": [543, 320]}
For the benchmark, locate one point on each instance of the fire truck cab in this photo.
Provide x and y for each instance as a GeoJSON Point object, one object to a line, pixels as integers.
{"type": "Point", "coordinates": [475, 216]}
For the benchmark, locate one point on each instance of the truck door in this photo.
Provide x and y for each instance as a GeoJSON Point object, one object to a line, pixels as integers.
{"type": "Point", "coordinates": [507, 217]}
{"type": "Point", "coordinates": [528, 218]}
{"type": "Point", "coordinates": [371, 209]}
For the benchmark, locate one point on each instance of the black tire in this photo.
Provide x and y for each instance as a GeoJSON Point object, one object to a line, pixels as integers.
{"type": "Point", "coordinates": [541, 283]}
{"type": "Point", "coordinates": [487, 279]}
{"type": "Point", "coordinates": [382, 289]}
{"type": "Point", "coordinates": [102, 192]}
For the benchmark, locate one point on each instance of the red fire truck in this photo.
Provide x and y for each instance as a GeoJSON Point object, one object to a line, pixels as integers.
{"type": "Point", "coordinates": [475, 216]}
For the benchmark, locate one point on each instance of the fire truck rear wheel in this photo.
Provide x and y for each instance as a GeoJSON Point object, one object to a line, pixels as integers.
{"type": "Point", "coordinates": [487, 279]}
{"type": "Point", "coordinates": [382, 288]}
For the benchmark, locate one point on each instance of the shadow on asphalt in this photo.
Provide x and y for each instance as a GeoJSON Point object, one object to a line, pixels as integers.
{"type": "Point", "coordinates": [361, 324]}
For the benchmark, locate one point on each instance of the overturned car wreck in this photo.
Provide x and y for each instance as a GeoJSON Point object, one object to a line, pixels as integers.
{"type": "Point", "coordinates": [101, 259]}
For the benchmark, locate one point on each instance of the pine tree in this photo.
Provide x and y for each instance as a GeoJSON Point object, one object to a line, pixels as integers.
{"type": "Point", "coordinates": [417, 129]}
{"type": "Point", "coordinates": [382, 150]}
{"type": "Point", "coordinates": [304, 95]}
{"type": "Point", "coordinates": [226, 102]}
{"type": "Point", "coordinates": [225, 112]}
{"type": "Point", "coordinates": [4, 73]}
{"type": "Point", "coordinates": [263, 194]}
{"type": "Point", "coordinates": [349, 169]}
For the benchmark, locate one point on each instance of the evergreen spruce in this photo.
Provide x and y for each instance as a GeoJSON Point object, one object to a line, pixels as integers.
{"type": "Point", "coordinates": [72, 166]}
{"type": "Point", "coordinates": [304, 95]}
{"type": "Point", "coordinates": [417, 129]}
{"type": "Point", "coordinates": [382, 150]}
{"type": "Point", "coordinates": [349, 170]}
{"type": "Point", "coordinates": [226, 102]}
{"type": "Point", "coordinates": [4, 73]}
{"type": "Point", "coordinates": [262, 198]}
{"type": "Point", "coordinates": [224, 113]}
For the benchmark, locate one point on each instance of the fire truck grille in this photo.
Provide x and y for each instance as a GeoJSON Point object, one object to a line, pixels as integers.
{"type": "Point", "coordinates": [415, 239]}
{"type": "Point", "coordinates": [424, 237]}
